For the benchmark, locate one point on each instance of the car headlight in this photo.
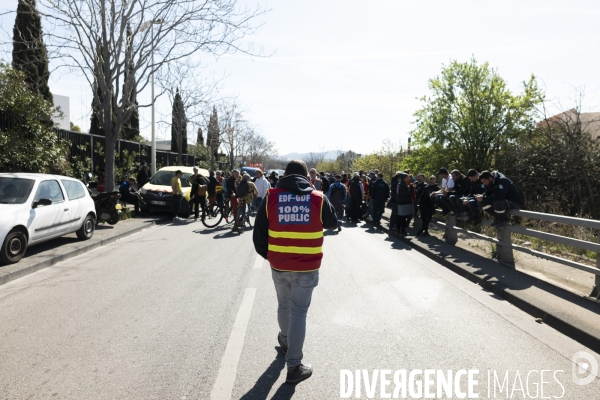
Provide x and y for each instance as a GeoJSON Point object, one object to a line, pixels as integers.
{"type": "Point", "coordinates": [143, 190]}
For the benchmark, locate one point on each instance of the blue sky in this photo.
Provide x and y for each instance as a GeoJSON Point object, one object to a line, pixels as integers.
{"type": "Point", "coordinates": [346, 74]}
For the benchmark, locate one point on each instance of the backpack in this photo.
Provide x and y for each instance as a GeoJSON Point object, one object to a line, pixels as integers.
{"type": "Point", "coordinates": [337, 193]}
{"type": "Point", "coordinates": [242, 189]}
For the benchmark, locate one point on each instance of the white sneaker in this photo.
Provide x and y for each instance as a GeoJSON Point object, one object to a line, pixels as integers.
{"type": "Point", "coordinates": [176, 219]}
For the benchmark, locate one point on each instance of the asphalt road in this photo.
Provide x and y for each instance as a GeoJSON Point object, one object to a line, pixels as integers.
{"type": "Point", "coordinates": [184, 312]}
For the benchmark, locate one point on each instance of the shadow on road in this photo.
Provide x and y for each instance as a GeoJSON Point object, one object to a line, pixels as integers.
{"type": "Point", "coordinates": [263, 385]}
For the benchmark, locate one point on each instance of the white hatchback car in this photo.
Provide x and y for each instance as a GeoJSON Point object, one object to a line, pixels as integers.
{"type": "Point", "coordinates": [39, 207]}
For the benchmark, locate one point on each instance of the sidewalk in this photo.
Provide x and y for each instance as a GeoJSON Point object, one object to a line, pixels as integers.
{"type": "Point", "coordinates": [49, 253]}
{"type": "Point", "coordinates": [564, 310]}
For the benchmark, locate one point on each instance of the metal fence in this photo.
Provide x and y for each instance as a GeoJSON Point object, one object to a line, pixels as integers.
{"type": "Point", "coordinates": [505, 247]}
{"type": "Point", "coordinates": [84, 145]}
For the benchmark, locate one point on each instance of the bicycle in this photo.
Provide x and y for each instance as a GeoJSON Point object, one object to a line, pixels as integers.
{"type": "Point", "coordinates": [214, 213]}
{"type": "Point", "coordinates": [248, 217]}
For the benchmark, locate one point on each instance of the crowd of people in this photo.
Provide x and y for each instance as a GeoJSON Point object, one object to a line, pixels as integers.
{"type": "Point", "coordinates": [361, 195]}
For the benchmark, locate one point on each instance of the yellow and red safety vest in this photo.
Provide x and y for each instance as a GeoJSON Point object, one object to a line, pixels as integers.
{"type": "Point", "coordinates": [295, 230]}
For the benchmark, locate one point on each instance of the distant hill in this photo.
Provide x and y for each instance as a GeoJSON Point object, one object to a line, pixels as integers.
{"type": "Point", "coordinates": [330, 155]}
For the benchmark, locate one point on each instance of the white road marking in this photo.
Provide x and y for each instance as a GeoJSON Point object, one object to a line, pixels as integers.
{"type": "Point", "coordinates": [258, 263]}
{"type": "Point", "coordinates": [226, 378]}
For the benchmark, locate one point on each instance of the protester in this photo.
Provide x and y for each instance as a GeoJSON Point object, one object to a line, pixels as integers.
{"type": "Point", "coordinates": [198, 192]}
{"type": "Point", "coordinates": [441, 198]}
{"type": "Point", "coordinates": [262, 186]}
{"type": "Point", "coordinates": [500, 195]}
{"type": "Point", "coordinates": [380, 194]}
{"type": "Point", "coordinates": [324, 183]}
{"type": "Point", "coordinates": [392, 203]}
{"type": "Point", "coordinates": [315, 180]}
{"type": "Point", "coordinates": [231, 184]}
{"type": "Point", "coordinates": [130, 195]}
{"type": "Point", "coordinates": [143, 176]}
{"type": "Point", "coordinates": [337, 196]}
{"type": "Point", "coordinates": [357, 193]}
{"type": "Point", "coordinates": [177, 195]}
{"type": "Point", "coordinates": [425, 193]}
{"type": "Point", "coordinates": [404, 200]}
{"type": "Point", "coordinates": [294, 251]}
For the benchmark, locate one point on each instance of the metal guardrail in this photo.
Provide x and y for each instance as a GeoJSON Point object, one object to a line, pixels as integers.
{"type": "Point", "coordinates": [505, 247]}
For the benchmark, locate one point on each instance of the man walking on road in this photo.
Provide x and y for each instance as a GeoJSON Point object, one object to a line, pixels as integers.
{"type": "Point", "coordinates": [288, 232]}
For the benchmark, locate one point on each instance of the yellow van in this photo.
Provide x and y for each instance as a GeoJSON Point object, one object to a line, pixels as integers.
{"type": "Point", "coordinates": [158, 195]}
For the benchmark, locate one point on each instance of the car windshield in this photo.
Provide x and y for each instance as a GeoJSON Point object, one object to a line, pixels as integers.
{"type": "Point", "coordinates": [15, 190]}
{"type": "Point", "coordinates": [163, 178]}
{"type": "Point", "coordinates": [250, 171]}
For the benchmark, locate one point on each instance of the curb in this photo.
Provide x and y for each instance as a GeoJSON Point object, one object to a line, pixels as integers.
{"type": "Point", "coordinates": [501, 289]}
{"type": "Point", "coordinates": [74, 253]}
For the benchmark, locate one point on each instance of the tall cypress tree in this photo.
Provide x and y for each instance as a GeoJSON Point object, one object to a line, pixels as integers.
{"type": "Point", "coordinates": [213, 139]}
{"type": "Point", "coordinates": [29, 52]}
{"type": "Point", "coordinates": [178, 126]}
{"type": "Point", "coordinates": [131, 128]}
{"type": "Point", "coordinates": [200, 138]}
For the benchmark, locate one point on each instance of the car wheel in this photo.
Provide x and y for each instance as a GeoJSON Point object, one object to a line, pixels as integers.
{"type": "Point", "coordinates": [14, 247]}
{"type": "Point", "coordinates": [87, 228]}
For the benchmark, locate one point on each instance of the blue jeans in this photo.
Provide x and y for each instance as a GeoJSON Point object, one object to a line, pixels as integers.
{"type": "Point", "coordinates": [294, 293]}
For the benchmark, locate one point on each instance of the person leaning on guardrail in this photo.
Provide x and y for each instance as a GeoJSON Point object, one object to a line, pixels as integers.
{"type": "Point", "coordinates": [500, 195]}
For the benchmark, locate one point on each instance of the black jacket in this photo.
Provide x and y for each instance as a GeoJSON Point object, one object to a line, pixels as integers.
{"type": "Point", "coordinates": [462, 187]}
{"type": "Point", "coordinates": [325, 185]}
{"type": "Point", "coordinates": [354, 187]}
{"type": "Point", "coordinates": [394, 189]}
{"type": "Point", "coordinates": [230, 182]}
{"type": "Point", "coordinates": [212, 185]}
{"type": "Point", "coordinates": [298, 185]}
{"type": "Point", "coordinates": [424, 195]}
{"type": "Point", "coordinates": [404, 193]}
{"type": "Point", "coordinates": [380, 190]}
{"type": "Point", "coordinates": [502, 189]}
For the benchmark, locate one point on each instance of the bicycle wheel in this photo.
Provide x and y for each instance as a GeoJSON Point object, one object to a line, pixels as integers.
{"type": "Point", "coordinates": [210, 219]}
{"type": "Point", "coordinates": [251, 216]}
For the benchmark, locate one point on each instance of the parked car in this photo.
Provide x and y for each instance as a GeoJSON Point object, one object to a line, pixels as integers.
{"type": "Point", "coordinates": [279, 172]}
{"type": "Point", "coordinates": [250, 171]}
{"type": "Point", "coordinates": [158, 195]}
{"type": "Point", "coordinates": [35, 208]}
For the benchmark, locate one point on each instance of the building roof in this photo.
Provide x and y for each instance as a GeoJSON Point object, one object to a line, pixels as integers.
{"type": "Point", "coordinates": [590, 122]}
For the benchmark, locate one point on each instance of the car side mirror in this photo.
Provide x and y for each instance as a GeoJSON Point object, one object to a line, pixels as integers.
{"type": "Point", "coordinates": [42, 202]}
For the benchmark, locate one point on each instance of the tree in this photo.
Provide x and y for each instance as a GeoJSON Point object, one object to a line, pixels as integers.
{"type": "Point", "coordinates": [471, 115]}
{"type": "Point", "coordinates": [557, 165]}
{"type": "Point", "coordinates": [200, 138]}
{"type": "Point", "coordinates": [178, 128]}
{"type": "Point", "coordinates": [98, 99]}
{"type": "Point", "coordinates": [29, 52]}
{"type": "Point", "coordinates": [213, 139]}
{"type": "Point", "coordinates": [131, 128]}
{"type": "Point", "coordinates": [28, 142]}
{"type": "Point", "coordinates": [258, 149]}
{"type": "Point", "coordinates": [163, 32]}
{"type": "Point", "coordinates": [235, 131]}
